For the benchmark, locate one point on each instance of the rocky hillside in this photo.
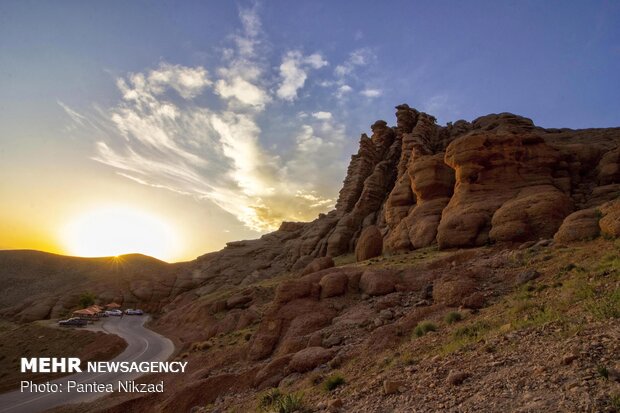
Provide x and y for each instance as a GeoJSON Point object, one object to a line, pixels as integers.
{"type": "Point", "coordinates": [467, 268]}
{"type": "Point", "coordinates": [498, 178]}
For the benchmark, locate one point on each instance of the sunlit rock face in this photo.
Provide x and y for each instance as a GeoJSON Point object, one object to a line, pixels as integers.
{"type": "Point", "coordinates": [498, 178]}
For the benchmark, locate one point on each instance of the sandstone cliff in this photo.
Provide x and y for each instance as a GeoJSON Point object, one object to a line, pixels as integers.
{"type": "Point", "coordinates": [498, 178]}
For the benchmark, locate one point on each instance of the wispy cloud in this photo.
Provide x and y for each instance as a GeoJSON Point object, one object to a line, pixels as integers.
{"type": "Point", "coordinates": [293, 72]}
{"type": "Point", "coordinates": [75, 117]}
{"type": "Point", "coordinates": [359, 57]}
{"type": "Point", "coordinates": [371, 93]}
{"type": "Point", "coordinates": [162, 133]}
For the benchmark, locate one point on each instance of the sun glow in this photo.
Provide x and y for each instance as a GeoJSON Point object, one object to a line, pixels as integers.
{"type": "Point", "coordinates": [117, 230]}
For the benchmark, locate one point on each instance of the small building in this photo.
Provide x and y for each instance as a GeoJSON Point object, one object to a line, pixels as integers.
{"type": "Point", "coordinates": [112, 306]}
{"type": "Point", "coordinates": [87, 313]}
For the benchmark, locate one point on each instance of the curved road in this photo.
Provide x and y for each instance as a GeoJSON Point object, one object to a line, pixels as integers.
{"type": "Point", "coordinates": [142, 345]}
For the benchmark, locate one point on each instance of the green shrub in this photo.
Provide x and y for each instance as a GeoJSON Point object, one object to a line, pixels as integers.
{"type": "Point", "coordinates": [453, 317]}
{"type": "Point", "coordinates": [87, 299]}
{"type": "Point", "coordinates": [333, 382]}
{"type": "Point", "coordinates": [290, 403]}
{"type": "Point", "coordinates": [267, 399]}
{"type": "Point", "coordinates": [423, 328]}
{"type": "Point", "coordinates": [472, 331]}
{"type": "Point", "coordinates": [602, 370]}
{"type": "Point", "coordinates": [274, 401]}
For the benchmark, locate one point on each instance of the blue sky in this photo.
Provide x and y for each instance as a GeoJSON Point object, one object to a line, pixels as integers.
{"type": "Point", "coordinates": [243, 113]}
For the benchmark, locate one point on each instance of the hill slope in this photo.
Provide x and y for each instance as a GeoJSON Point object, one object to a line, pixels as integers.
{"type": "Point", "coordinates": [38, 284]}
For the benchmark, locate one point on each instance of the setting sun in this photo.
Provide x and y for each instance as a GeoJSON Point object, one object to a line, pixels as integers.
{"type": "Point", "coordinates": [112, 231]}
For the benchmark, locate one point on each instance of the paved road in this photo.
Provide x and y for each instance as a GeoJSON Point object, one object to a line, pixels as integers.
{"type": "Point", "coordinates": [142, 345]}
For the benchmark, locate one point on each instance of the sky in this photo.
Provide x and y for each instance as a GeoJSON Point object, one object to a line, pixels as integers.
{"type": "Point", "coordinates": [171, 128]}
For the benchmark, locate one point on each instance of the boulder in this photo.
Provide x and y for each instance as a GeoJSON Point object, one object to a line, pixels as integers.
{"type": "Point", "coordinates": [474, 301]}
{"type": "Point", "coordinates": [291, 290]}
{"type": "Point", "coordinates": [504, 186]}
{"type": "Point", "coordinates": [452, 291]}
{"type": "Point", "coordinates": [239, 301]}
{"type": "Point", "coordinates": [318, 264]}
{"type": "Point", "coordinates": [370, 244]}
{"type": "Point", "coordinates": [378, 282]}
{"type": "Point", "coordinates": [310, 358]}
{"type": "Point", "coordinates": [272, 373]}
{"type": "Point", "coordinates": [610, 223]}
{"type": "Point", "coordinates": [334, 284]}
{"type": "Point", "coordinates": [456, 378]}
{"type": "Point", "coordinates": [579, 226]}
{"type": "Point", "coordinates": [393, 386]}
{"type": "Point", "coordinates": [265, 339]}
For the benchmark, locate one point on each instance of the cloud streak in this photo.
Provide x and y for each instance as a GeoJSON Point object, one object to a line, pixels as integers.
{"type": "Point", "coordinates": [165, 133]}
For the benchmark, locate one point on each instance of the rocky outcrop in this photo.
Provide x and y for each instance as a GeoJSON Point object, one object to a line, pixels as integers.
{"type": "Point", "coordinates": [498, 178]}
{"type": "Point", "coordinates": [610, 222]}
{"type": "Point", "coordinates": [579, 226]}
{"type": "Point", "coordinates": [370, 244]}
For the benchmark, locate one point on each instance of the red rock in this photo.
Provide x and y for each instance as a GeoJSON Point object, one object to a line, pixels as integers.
{"type": "Point", "coordinates": [310, 358]}
{"type": "Point", "coordinates": [318, 264]}
{"type": "Point", "coordinates": [579, 226]}
{"type": "Point", "coordinates": [393, 386]}
{"type": "Point", "coordinates": [378, 282]}
{"type": "Point", "coordinates": [334, 284]}
{"type": "Point", "coordinates": [370, 244]}
{"type": "Point", "coordinates": [265, 339]}
{"type": "Point", "coordinates": [239, 301]}
{"type": "Point", "coordinates": [457, 378]}
{"type": "Point", "coordinates": [474, 301]}
{"type": "Point", "coordinates": [610, 222]}
{"type": "Point", "coordinates": [452, 290]}
{"type": "Point", "coordinates": [292, 290]}
{"type": "Point", "coordinates": [272, 373]}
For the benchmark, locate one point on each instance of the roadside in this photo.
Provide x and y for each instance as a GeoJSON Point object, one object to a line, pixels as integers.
{"type": "Point", "coordinates": [142, 345]}
{"type": "Point", "coordinates": [46, 339]}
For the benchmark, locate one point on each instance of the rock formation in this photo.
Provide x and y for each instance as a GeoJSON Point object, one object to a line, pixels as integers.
{"type": "Point", "coordinates": [498, 178]}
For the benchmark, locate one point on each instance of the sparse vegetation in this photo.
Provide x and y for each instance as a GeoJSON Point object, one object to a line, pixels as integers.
{"type": "Point", "coordinates": [424, 327]}
{"type": "Point", "coordinates": [332, 382]}
{"type": "Point", "coordinates": [274, 401]}
{"type": "Point", "coordinates": [87, 299]}
{"type": "Point", "coordinates": [606, 306]}
{"type": "Point", "coordinates": [267, 399]}
{"type": "Point", "coordinates": [473, 331]}
{"type": "Point", "coordinates": [453, 317]}
{"type": "Point", "coordinates": [614, 402]}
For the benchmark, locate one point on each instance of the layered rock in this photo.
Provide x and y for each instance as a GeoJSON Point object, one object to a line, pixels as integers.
{"type": "Point", "coordinates": [498, 178]}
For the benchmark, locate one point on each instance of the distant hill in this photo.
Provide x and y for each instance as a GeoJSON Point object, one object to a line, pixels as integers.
{"type": "Point", "coordinates": [44, 284]}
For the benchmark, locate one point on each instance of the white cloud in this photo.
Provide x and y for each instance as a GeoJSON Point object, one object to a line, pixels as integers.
{"type": "Point", "coordinates": [219, 152]}
{"type": "Point", "coordinates": [294, 72]}
{"type": "Point", "coordinates": [322, 115]}
{"type": "Point", "coordinates": [343, 90]}
{"type": "Point", "coordinates": [316, 61]}
{"type": "Point", "coordinates": [359, 57]}
{"type": "Point", "coordinates": [188, 82]}
{"type": "Point", "coordinates": [243, 91]}
{"type": "Point", "coordinates": [371, 93]}
{"type": "Point", "coordinates": [75, 116]}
